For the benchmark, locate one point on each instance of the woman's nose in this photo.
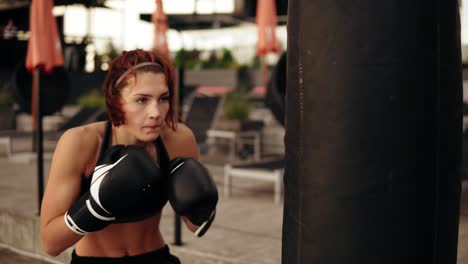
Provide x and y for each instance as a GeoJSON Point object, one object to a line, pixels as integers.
{"type": "Point", "coordinates": [154, 111]}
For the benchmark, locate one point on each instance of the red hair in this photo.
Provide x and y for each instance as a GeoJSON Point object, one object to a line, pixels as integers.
{"type": "Point", "coordinates": [126, 62]}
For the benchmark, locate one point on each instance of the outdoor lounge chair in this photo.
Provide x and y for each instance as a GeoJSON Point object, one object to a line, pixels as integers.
{"type": "Point", "coordinates": [267, 170]}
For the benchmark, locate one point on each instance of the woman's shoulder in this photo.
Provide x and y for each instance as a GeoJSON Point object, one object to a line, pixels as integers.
{"type": "Point", "coordinates": [77, 148]}
{"type": "Point", "coordinates": [180, 141]}
{"type": "Point", "coordinates": [85, 138]}
{"type": "Point", "coordinates": [85, 133]}
{"type": "Point", "coordinates": [180, 133]}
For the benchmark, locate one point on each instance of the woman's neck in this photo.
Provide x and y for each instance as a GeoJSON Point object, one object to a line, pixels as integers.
{"type": "Point", "coordinates": [121, 136]}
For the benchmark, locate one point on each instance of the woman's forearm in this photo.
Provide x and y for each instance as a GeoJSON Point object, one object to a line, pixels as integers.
{"type": "Point", "coordinates": [56, 236]}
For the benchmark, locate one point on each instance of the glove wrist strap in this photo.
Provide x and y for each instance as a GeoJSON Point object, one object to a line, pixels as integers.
{"type": "Point", "coordinates": [72, 225]}
{"type": "Point", "coordinates": [206, 225]}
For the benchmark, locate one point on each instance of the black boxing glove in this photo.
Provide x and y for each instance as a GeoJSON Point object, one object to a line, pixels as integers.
{"type": "Point", "coordinates": [127, 186]}
{"type": "Point", "coordinates": [192, 192]}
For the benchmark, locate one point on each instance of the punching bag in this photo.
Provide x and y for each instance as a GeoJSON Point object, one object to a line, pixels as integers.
{"type": "Point", "coordinates": [373, 132]}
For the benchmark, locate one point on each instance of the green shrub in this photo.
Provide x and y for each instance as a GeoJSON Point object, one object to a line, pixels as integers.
{"type": "Point", "coordinates": [188, 58]}
{"type": "Point", "coordinates": [211, 63]}
{"type": "Point", "coordinates": [237, 106]}
{"type": "Point", "coordinates": [226, 61]}
{"type": "Point", "coordinates": [92, 99]}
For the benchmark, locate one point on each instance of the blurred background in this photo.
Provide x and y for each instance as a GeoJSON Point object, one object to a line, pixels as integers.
{"type": "Point", "coordinates": [213, 42]}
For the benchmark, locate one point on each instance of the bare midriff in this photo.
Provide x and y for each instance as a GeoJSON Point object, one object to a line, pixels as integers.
{"type": "Point", "coordinates": [125, 239]}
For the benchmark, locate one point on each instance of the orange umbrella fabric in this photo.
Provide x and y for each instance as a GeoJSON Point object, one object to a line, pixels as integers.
{"type": "Point", "coordinates": [159, 20]}
{"type": "Point", "coordinates": [44, 48]}
{"type": "Point", "coordinates": [266, 23]}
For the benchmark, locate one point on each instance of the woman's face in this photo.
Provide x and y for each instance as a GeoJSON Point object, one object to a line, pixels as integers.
{"type": "Point", "coordinates": [145, 103]}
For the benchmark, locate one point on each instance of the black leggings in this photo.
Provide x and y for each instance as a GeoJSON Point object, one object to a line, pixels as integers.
{"type": "Point", "coordinates": [160, 256]}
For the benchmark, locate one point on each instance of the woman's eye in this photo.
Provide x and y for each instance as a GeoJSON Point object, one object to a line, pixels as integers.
{"type": "Point", "coordinates": [141, 100]}
{"type": "Point", "coordinates": [164, 98]}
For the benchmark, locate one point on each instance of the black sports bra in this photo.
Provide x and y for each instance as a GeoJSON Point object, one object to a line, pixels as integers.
{"type": "Point", "coordinates": [163, 156]}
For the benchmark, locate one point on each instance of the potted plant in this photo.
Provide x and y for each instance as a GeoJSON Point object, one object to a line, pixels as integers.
{"type": "Point", "coordinates": [236, 109]}
{"type": "Point", "coordinates": [213, 68]}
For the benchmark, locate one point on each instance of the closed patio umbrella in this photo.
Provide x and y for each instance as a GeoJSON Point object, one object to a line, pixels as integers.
{"type": "Point", "coordinates": [159, 20]}
{"type": "Point", "coordinates": [266, 23]}
{"type": "Point", "coordinates": [44, 48]}
{"type": "Point", "coordinates": [44, 53]}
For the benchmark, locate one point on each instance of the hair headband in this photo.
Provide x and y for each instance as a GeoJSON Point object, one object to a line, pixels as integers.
{"type": "Point", "coordinates": [137, 66]}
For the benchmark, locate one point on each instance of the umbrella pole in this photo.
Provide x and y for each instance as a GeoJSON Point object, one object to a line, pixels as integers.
{"type": "Point", "coordinates": [264, 70]}
{"type": "Point", "coordinates": [39, 138]}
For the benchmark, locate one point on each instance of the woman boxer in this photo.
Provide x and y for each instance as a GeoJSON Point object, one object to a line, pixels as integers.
{"type": "Point", "coordinates": [94, 196]}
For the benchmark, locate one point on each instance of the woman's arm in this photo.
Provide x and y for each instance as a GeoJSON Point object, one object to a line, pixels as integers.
{"type": "Point", "coordinates": [182, 142]}
{"type": "Point", "coordinates": [63, 187]}
{"type": "Point", "coordinates": [184, 145]}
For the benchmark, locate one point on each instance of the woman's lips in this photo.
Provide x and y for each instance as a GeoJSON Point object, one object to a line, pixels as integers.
{"type": "Point", "coordinates": [152, 127]}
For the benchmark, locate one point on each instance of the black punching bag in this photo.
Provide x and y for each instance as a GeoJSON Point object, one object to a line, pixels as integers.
{"type": "Point", "coordinates": [373, 132]}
